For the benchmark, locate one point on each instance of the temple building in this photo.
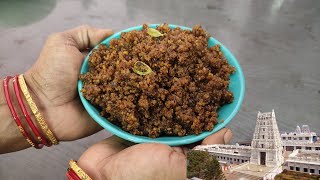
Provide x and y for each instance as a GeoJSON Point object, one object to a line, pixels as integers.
{"type": "Point", "coordinates": [269, 152]}
{"type": "Point", "coordinates": [301, 138]}
{"type": "Point", "coordinates": [266, 143]}
{"type": "Point", "coordinates": [305, 161]}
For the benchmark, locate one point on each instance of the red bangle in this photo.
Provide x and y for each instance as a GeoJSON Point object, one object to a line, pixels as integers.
{"type": "Point", "coordinates": [72, 175]}
{"type": "Point", "coordinates": [14, 114]}
{"type": "Point", "coordinates": [26, 114]}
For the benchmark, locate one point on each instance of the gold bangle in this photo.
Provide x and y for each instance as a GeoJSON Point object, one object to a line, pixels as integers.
{"type": "Point", "coordinates": [80, 173]}
{"type": "Point", "coordinates": [36, 112]}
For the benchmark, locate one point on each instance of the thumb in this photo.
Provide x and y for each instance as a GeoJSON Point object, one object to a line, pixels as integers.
{"type": "Point", "coordinates": [223, 136]}
{"type": "Point", "coordinates": [87, 37]}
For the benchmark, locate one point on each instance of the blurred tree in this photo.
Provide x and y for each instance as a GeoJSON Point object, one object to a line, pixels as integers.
{"type": "Point", "coordinates": [203, 165]}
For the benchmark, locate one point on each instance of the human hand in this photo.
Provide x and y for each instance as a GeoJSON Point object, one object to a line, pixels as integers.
{"type": "Point", "coordinates": [115, 158]}
{"type": "Point", "coordinates": [52, 81]}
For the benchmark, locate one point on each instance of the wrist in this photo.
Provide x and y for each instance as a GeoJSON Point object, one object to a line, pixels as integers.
{"type": "Point", "coordinates": [37, 104]}
{"type": "Point", "coordinates": [35, 87]}
{"type": "Point", "coordinates": [21, 124]}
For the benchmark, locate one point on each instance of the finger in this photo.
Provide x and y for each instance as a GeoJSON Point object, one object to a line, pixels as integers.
{"type": "Point", "coordinates": [223, 136]}
{"type": "Point", "coordinates": [192, 145]}
{"type": "Point", "coordinates": [183, 150]}
{"type": "Point", "coordinates": [213, 139]}
{"type": "Point", "coordinates": [87, 37]}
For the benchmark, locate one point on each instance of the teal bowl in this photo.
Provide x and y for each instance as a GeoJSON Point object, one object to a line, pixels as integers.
{"type": "Point", "coordinates": [226, 112]}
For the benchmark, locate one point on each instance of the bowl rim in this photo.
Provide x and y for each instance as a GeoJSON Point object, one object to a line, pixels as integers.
{"type": "Point", "coordinates": [174, 140]}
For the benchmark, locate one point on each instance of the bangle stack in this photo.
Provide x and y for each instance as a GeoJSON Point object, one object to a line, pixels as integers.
{"type": "Point", "coordinates": [19, 85]}
{"type": "Point", "coordinates": [36, 112]}
{"type": "Point", "coordinates": [75, 172]}
{"type": "Point", "coordinates": [38, 139]}
{"type": "Point", "coordinates": [71, 175]}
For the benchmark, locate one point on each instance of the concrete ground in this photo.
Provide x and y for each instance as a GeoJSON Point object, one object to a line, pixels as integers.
{"type": "Point", "coordinates": [277, 42]}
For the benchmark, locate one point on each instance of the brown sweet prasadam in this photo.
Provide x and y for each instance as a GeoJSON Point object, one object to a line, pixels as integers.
{"type": "Point", "coordinates": [182, 94]}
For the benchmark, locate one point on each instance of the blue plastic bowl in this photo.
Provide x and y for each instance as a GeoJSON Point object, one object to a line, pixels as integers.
{"type": "Point", "coordinates": [226, 112]}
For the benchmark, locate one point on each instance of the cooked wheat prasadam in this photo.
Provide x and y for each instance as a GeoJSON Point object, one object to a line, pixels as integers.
{"type": "Point", "coordinates": [159, 82]}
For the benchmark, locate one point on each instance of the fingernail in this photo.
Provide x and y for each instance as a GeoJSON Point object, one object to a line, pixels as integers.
{"type": "Point", "coordinates": [227, 136]}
